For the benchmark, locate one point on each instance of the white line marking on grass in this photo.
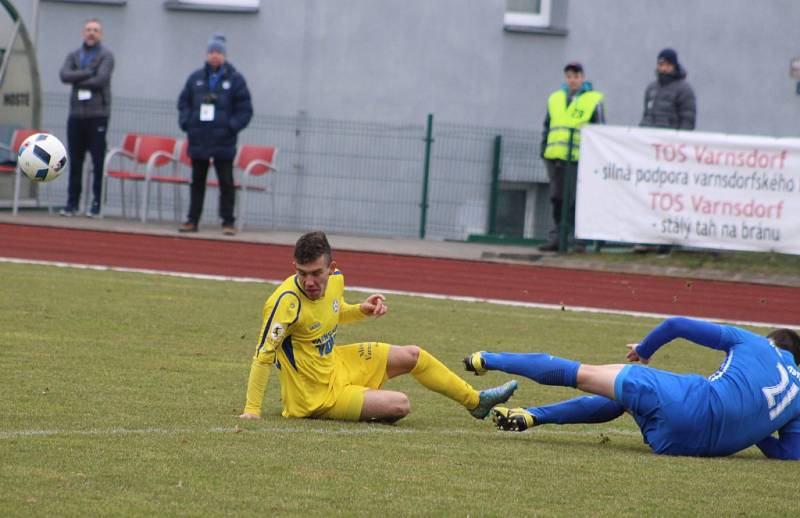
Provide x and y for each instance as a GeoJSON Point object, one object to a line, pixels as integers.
{"type": "Point", "coordinates": [360, 430]}
{"type": "Point", "coordinates": [536, 305]}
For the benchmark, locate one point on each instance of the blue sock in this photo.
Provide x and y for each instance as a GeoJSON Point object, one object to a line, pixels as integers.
{"type": "Point", "coordinates": [584, 409]}
{"type": "Point", "coordinates": [541, 368]}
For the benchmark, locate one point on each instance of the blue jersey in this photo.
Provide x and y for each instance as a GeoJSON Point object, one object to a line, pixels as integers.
{"type": "Point", "coordinates": [753, 394]}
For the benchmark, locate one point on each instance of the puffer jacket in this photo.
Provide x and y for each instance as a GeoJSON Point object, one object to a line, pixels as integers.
{"type": "Point", "coordinates": [669, 102]}
{"type": "Point", "coordinates": [232, 112]}
{"type": "Point", "coordinates": [95, 77]}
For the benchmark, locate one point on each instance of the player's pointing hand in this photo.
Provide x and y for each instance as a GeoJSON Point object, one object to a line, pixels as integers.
{"type": "Point", "coordinates": [374, 305]}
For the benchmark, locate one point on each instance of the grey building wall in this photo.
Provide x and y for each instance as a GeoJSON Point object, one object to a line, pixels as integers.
{"type": "Point", "coordinates": [396, 61]}
{"type": "Point", "coordinates": [343, 88]}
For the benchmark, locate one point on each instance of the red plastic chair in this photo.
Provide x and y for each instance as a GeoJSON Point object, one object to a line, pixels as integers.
{"type": "Point", "coordinates": [253, 163]}
{"type": "Point", "coordinates": [156, 152]}
{"type": "Point", "coordinates": [148, 153]}
{"type": "Point", "coordinates": [177, 176]}
{"type": "Point", "coordinates": [124, 156]}
{"type": "Point", "coordinates": [17, 138]}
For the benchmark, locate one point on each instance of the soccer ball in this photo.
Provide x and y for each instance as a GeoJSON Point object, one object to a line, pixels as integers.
{"type": "Point", "coordinates": [42, 157]}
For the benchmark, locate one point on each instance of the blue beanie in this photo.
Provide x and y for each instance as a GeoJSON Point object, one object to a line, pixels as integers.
{"type": "Point", "coordinates": [217, 44]}
{"type": "Point", "coordinates": [668, 55]}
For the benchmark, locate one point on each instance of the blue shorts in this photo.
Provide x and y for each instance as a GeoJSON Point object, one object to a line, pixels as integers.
{"type": "Point", "coordinates": [672, 410]}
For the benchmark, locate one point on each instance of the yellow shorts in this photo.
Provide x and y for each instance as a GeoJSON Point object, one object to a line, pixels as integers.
{"type": "Point", "coordinates": [365, 365]}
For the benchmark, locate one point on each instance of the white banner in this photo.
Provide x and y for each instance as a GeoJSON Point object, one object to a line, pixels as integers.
{"type": "Point", "coordinates": [708, 190]}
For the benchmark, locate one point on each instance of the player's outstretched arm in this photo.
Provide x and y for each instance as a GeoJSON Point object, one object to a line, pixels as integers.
{"type": "Point", "coordinates": [374, 305]}
{"type": "Point", "coordinates": [700, 332]}
{"type": "Point", "coordinates": [257, 384]}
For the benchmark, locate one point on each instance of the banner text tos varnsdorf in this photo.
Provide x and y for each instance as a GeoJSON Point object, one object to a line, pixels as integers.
{"type": "Point", "coordinates": [690, 188]}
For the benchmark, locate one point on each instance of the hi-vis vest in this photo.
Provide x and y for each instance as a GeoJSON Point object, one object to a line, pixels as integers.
{"type": "Point", "coordinates": [563, 118]}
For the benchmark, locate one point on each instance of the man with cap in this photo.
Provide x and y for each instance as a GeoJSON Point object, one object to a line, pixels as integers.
{"type": "Point", "coordinates": [214, 106]}
{"type": "Point", "coordinates": [669, 102]}
{"type": "Point", "coordinates": [568, 109]}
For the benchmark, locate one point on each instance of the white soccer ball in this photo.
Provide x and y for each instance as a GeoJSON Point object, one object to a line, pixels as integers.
{"type": "Point", "coordinates": [42, 157]}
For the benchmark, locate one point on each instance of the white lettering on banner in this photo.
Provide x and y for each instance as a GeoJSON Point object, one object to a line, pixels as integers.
{"type": "Point", "coordinates": [709, 190]}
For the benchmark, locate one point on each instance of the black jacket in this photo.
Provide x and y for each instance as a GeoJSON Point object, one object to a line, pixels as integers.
{"type": "Point", "coordinates": [669, 102]}
{"type": "Point", "coordinates": [232, 112]}
{"type": "Point", "coordinates": [96, 77]}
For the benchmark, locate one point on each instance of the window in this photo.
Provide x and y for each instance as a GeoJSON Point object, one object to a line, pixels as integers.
{"type": "Point", "coordinates": [527, 13]}
{"type": "Point", "coordinates": [547, 17]}
{"type": "Point", "coordinates": [240, 6]}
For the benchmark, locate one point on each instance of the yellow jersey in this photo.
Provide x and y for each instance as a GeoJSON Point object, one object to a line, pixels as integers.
{"type": "Point", "coordinates": [298, 335]}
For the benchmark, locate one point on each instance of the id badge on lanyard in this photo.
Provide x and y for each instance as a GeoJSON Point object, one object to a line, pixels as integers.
{"type": "Point", "coordinates": [206, 112]}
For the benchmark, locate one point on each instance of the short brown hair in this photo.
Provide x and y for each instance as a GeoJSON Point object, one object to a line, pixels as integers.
{"type": "Point", "coordinates": [788, 340]}
{"type": "Point", "coordinates": [312, 246]}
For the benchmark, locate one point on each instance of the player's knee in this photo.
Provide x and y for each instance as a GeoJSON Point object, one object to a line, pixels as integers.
{"type": "Point", "coordinates": [401, 406]}
{"type": "Point", "coordinates": [402, 359]}
{"type": "Point", "coordinates": [412, 354]}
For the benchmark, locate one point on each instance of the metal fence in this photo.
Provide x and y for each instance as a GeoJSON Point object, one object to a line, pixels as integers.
{"type": "Point", "coordinates": [345, 176]}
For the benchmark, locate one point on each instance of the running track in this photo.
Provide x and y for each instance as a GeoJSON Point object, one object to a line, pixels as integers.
{"type": "Point", "coordinates": [731, 301]}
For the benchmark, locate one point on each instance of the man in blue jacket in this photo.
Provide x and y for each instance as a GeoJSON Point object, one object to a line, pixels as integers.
{"type": "Point", "coordinates": [752, 395]}
{"type": "Point", "coordinates": [214, 107]}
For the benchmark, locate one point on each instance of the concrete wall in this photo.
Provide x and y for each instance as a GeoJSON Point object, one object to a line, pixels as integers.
{"type": "Point", "coordinates": [396, 61]}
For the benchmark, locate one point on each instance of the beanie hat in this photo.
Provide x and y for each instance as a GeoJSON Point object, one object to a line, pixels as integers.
{"type": "Point", "coordinates": [217, 44]}
{"type": "Point", "coordinates": [573, 66]}
{"type": "Point", "coordinates": [668, 55]}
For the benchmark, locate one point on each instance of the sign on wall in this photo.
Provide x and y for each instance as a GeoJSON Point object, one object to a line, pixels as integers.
{"type": "Point", "coordinates": [214, 5]}
{"type": "Point", "coordinates": [709, 190]}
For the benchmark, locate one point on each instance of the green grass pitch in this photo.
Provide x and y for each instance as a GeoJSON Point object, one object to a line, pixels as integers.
{"type": "Point", "coordinates": [119, 391]}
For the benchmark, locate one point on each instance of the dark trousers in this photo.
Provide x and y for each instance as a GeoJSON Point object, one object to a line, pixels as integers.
{"type": "Point", "coordinates": [85, 135]}
{"type": "Point", "coordinates": [227, 192]}
{"type": "Point", "coordinates": [556, 172]}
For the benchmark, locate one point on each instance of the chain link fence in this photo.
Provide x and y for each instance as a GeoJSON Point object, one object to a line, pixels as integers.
{"type": "Point", "coordinates": [349, 177]}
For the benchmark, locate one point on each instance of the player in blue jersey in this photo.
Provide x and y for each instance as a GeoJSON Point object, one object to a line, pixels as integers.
{"type": "Point", "coordinates": [751, 396]}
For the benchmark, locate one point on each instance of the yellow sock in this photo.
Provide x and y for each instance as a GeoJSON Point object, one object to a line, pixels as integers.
{"type": "Point", "coordinates": [434, 375]}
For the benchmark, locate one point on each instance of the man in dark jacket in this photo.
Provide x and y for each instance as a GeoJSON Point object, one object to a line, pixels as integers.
{"type": "Point", "coordinates": [88, 69]}
{"type": "Point", "coordinates": [669, 102]}
{"type": "Point", "coordinates": [214, 107]}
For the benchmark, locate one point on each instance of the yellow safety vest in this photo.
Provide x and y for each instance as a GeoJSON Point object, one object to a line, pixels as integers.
{"type": "Point", "coordinates": [564, 118]}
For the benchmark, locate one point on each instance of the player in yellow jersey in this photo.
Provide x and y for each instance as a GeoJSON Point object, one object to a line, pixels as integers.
{"type": "Point", "coordinates": [323, 380]}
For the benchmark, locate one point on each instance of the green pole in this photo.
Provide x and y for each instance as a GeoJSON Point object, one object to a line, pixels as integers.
{"type": "Point", "coordinates": [425, 177]}
{"type": "Point", "coordinates": [566, 196]}
{"type": "Point", "coordinates": [498, 147]}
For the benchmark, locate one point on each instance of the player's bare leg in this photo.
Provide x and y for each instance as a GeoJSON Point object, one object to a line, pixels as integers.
{"type": "Point", "coordinates": [598, 379]}
{"type": "Point", "coordinates": [402, 360]}
{"type": "Point", "coordinates": [386, 406]}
